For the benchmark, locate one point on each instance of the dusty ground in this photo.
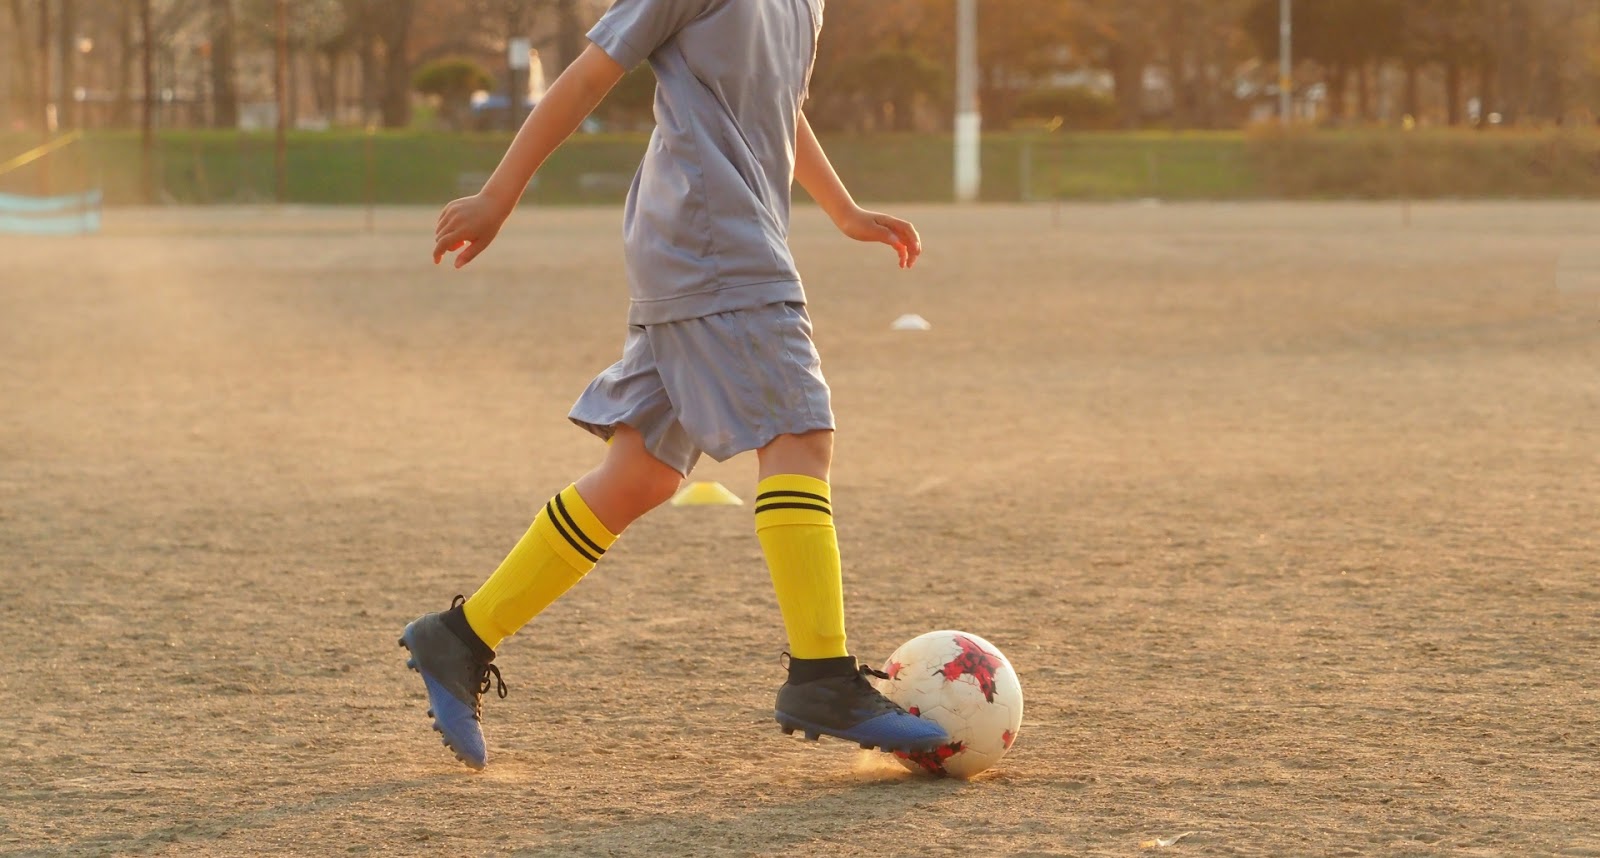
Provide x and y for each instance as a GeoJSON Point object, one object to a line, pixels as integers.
{"type": "Point", "coordinates": [1285, 514]}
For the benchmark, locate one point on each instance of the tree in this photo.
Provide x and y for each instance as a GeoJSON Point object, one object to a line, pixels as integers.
{"type": "Point", "coordinates": [319, 31]}
{"type": "Point", "coordinates": [361, 32]}
{"type": "Point", "coordinates": [147, 37]}
{"type": "Point", "coordinates": [122, 110]}
{"type": "Point", "coordinates": [66, 55]}
{"type": "Point", "coordinates": [1341, 36]}
{"type": "Point", "coordinates": [1201, 46]}
{"type": "Point", "coordinates": [380, 31]}
{"type": "Point", "coordinates": [517, 18]}
{"type": "Point", "coordinates": [1451, 34]}
{"type": "Point", "coordinates": [1543, 54]}
{"type": "Point", "coordinates": [224, 92]}
{"type": "Point", "coordinates": [1077, 107]}
{"type": "Point", "coordinates": [25, 88]}
{"type": "Point", "coordinates": [630, 104]}
{"type": "Point", "coordinates": [569, 32]}
{"type": "Point", "coordinates": [1019, 42]}
{"type": "Point", "coordinates": [892, 80]}
{"type": "Point", "coordinates": [452, 81]}
{"type": "Point", "coordinates": [1120, 37]}
{"type": "Point", "coordinates": [394, 32]}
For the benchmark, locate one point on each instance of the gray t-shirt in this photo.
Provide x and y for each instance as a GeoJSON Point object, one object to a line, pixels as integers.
{"type": "Point", "coordinates": [707, 221]}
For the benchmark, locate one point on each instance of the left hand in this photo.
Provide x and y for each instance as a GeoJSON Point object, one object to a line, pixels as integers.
{"type": "Point", "coordinates": [863, 225]}
{"type": "Point", "coordinates": [468, 225]}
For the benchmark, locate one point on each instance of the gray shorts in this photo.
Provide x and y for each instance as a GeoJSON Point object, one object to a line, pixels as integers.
{"type": "Point", "coordinates": [720, 384]}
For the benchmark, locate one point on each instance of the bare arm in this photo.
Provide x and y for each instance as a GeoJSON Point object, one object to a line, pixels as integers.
{"type": "Point", "coordinates": [816, 174]}
{"type": "Point", "coordinates": [474, 221]}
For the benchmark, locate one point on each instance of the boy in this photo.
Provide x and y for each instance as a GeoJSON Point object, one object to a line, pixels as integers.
{"type": "Point", "coordinates": [719, 357]}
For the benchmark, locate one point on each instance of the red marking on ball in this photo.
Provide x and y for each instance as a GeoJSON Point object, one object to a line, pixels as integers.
{"type": "Point", "coordinates": [933, 761]}
{"type": "Point", "coordinates": [975, 660]}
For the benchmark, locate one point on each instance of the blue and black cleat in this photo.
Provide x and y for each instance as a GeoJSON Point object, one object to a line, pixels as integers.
{"type": "Point", "coordinates": [832, 697]}
{"type": "Point", "coordinates": [457, 675]}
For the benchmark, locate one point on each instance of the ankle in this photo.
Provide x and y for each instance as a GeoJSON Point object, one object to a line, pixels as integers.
{"type": "Point", "coordinates": [455, 620]}
{"type": "Point", "coordinates": [811, 669]}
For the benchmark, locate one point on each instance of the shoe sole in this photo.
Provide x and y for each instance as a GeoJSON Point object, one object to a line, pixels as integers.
{"type": "Point", "coordinates": [791, 725]}
{"type": "Point", "coordinates": [411, 662]}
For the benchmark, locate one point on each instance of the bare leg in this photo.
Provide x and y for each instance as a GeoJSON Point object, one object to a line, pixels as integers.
{"type": "Point", "coordinates": [809, 455]}
{"type": "Point", "coordinates": [453, 650]}
{"type": "Point", "coordinates": [628, 483]}
{"type": "Point", "coordinates": [794, 522]}
{"type": "Point", "coordinates": [825, 693]}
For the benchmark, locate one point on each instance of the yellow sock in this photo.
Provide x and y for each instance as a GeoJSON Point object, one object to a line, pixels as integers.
{"type": "Point", "coordinates": [564, 543]}
{"type": "Point", "coordinates": [794, 521]}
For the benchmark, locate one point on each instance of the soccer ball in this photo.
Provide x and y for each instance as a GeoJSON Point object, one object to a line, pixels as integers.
{"type": "Point", "coordinates": [964, 684]}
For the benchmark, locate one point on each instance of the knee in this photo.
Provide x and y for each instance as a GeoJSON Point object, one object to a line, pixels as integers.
{"type": "Point", "coordinates": [655, 485]}
{"type": "Point", "coordinates": [633, 481]}
{"type": "Point", "coordinates": [809, 454]}
{"type": "Point", "coordinates": [648, 480]}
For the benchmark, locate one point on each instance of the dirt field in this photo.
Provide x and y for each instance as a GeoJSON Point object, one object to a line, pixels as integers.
{"type": "Point", "coordinates": [1285, 514]}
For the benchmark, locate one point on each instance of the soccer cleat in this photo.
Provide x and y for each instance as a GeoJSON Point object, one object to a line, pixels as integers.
{"type": "Point", "coordinates": [456, 680]}
{"type": "Point", "coordinates": [846, 706]}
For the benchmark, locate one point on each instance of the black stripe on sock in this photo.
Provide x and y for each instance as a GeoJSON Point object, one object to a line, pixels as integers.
{"type": "Point", "coordinates": [550, 510]}
{"type": "Point", "coordinates": [561, 505]}
{"type": "Point", "coordinates": [784, 494]}
{"type": "Point", "coordinates": [811, 506]}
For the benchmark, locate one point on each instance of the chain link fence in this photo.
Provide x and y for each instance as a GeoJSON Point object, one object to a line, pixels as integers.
{"type": "Point", "coordinates": [355, 168]}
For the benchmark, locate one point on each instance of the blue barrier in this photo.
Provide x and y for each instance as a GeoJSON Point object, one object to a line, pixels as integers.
{"type": "Point", "coordinates": [74, 214]}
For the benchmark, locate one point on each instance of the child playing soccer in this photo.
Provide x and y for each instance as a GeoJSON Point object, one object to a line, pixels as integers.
{"type": "Point", "coordinates": [718, 359]}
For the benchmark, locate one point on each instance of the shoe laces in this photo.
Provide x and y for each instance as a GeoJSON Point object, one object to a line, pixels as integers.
{"type": "Point", "coordinates": [859, 679]}
{"type": "Point", "coordinates": [488, 675]}
{"type": "Point", "coordinates": [485, 682]}
{"type": "Point", "coordinates": [880, 700]}
{"type": "Point", "coordinates": [867, 670]}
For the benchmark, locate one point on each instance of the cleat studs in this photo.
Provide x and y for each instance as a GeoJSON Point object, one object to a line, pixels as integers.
{"type": "Point", "coordinates": [866, 746]}
{"type": "Point", "coordinates": [788, 731]}
{"type": "Point", "coordinates": [430, 713]}
{"type": "Point", "coordinates": [443, 741]}
{"type": "Point", "coordinates": [812, 737]}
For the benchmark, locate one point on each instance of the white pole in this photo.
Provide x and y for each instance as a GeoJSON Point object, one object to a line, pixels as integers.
{"type": "Point", "coordinates": [969, 122]}
{"type": "Point", "coordinates": [1285, 62]}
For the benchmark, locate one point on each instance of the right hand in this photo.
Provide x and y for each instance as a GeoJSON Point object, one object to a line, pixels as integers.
{"type": "Point", "coordinates": [863, 225]}
{"type": "Point", "coordinates": [471, 223]}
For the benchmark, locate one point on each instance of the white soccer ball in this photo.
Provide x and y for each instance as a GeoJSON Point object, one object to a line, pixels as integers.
{"type": "Point", "coordinates": [964, 684]}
